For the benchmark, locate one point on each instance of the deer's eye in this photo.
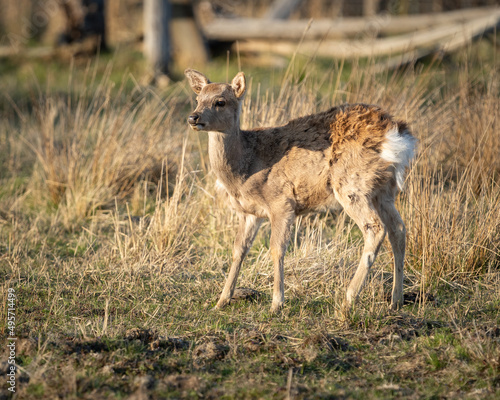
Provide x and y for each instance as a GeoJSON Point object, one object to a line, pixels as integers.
{"type": "Point", "coordinates": [220, 103]}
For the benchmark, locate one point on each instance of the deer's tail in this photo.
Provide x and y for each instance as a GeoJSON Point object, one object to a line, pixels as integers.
{"type": "Point", "coordinates": [398, 148]}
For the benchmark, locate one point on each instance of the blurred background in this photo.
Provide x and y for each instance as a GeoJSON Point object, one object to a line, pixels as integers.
{"type": "Point", "coordinates": [162, 37]}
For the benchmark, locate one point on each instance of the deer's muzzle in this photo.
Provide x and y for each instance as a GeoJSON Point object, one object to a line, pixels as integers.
{"type": "Point", "coordinates": [193, 122]}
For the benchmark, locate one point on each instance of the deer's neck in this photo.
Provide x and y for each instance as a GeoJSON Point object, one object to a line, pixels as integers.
{"type": "Point", "coordinates": [226, 154]}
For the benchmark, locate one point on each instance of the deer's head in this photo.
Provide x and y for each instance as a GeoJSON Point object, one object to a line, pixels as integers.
{"type": "Point", "coordinates": [218, 104]}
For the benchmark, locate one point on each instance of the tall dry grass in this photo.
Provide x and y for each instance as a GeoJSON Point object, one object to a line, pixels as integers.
{"type": "Point", "coordinates": [98, 147]}
{"type": "Point", "coordinates": [98, 151]}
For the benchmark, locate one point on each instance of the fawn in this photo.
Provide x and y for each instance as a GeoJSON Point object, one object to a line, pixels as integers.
{"type": "Point", "coordinates": [353, 155]}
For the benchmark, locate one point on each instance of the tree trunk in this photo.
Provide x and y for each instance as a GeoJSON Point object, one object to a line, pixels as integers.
{"type": "Point", "coordinates": [188, 46]}
{"type": "Point", "coordinates": [157, 46]}
{"type": "Point", "coordinates": [370, 7]}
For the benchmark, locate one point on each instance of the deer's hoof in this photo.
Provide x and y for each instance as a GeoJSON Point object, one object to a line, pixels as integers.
{"type": "Point", "coordinates": [276, 308]}
{"type": "Point", "coordinates": [350, 297]}
{"type": "Point", "coordinates": [397, 304]}
{"type": "Point", "coordinates": [221, 304]}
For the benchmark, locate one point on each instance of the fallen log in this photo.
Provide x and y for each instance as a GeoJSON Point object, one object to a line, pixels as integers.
{"type": "Point", "coordinates": [232, 29]}
{"type": "Point", "coordinates": [437, 52]}
{"type": "Point", "coordinates": [447, 37]}
{"type": "Point", "coordinates": [281, 9]}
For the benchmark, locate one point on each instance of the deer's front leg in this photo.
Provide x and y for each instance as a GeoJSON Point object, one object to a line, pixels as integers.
{"type": "Point", "coordinates": [247, 230]}
{"type": "Point", "coordinates": [280, 235]}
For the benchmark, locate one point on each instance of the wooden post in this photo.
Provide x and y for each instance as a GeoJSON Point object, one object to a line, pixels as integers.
{"type": "Point", "coordinates": [157, 45]}
{"type": "Point", "coordinates": [188, 44]}
{"type": "Point", "coordinates": [370, 7]}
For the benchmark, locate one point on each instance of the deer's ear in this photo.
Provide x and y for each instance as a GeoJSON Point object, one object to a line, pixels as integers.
{"type": "Point", "coordinates": [239, 85]}
{"type": "Point", "coordinates": [196, 79]}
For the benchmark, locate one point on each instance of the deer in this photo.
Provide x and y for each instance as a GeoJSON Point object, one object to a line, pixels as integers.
{"type": "Point", "coordinates": [352, 156]}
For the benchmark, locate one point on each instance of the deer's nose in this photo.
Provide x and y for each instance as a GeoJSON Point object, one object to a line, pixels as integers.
{"type": "Point", "coordinates": [193, 118]}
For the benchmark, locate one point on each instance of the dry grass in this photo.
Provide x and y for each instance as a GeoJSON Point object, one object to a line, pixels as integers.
{"type": "Point", "coordinates": [109, 221]}
{"type": "Point", "coordinates": [95, 148]}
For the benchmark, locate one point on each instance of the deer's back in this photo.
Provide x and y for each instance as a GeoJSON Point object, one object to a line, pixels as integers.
{"type": "Point", "coordinates": [305, 161]}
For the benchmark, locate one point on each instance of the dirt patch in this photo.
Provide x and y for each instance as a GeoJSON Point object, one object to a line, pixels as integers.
{"type": "Point", "coordinates": [309, 350]}
{"type": "Point", "coordinates": [395, 333]}
{"type": "Point", "coordinates": [208, 352]}
{"type": "Point", "coordinates": [144, 335]}
{"type": "Point", "coordinates": [170, 343]}
{"type": "Point", "coordinates": [414, 367]}
{"type": "Point", "coordinates": [331, 342]}
{"type": "Point", "coordinates": [85, 346]}
{"type": "Point", "coordinates": [183, 383]}
{"type": "Point", "coordinates": [245, 294]}
{"type": "Point", "coordinates": [402, 327]}
{"type": "Point", "coordinates": [414, 298]}
{"type": "Point", "coordinates": [254, 341]}
{"type": "Point", "coordinates": [335, 343]}
{"type": "Point", "coordinates": [155, 341]}
{"type": "Point", "coordinates": [144, 382]}
{"type": "Point", "coordinates": [309, 353]}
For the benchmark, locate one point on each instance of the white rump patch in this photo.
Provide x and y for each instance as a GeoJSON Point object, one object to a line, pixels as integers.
{"type": "Point", "coordinates": [220, 186]}
{"type": "Point", "coordinates": [398, 149]}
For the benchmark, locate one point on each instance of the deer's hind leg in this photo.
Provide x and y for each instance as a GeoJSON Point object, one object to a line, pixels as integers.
{"type": "Point", "coordinates": [362, 210]}
{"type": "Point", "coordinates": [248, 228]}
{"type": "Point", "coordinates": [397, 236]}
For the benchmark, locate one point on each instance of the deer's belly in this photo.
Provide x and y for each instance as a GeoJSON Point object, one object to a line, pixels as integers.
{"type": "Point", "coordinates": [241, 203]}
{"type": "Point", "coordinates": [306, 201]}
{"type": "Point", "coordinates": [314, 201]}
{"type": "Point", "coordinates": [247, 207]}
